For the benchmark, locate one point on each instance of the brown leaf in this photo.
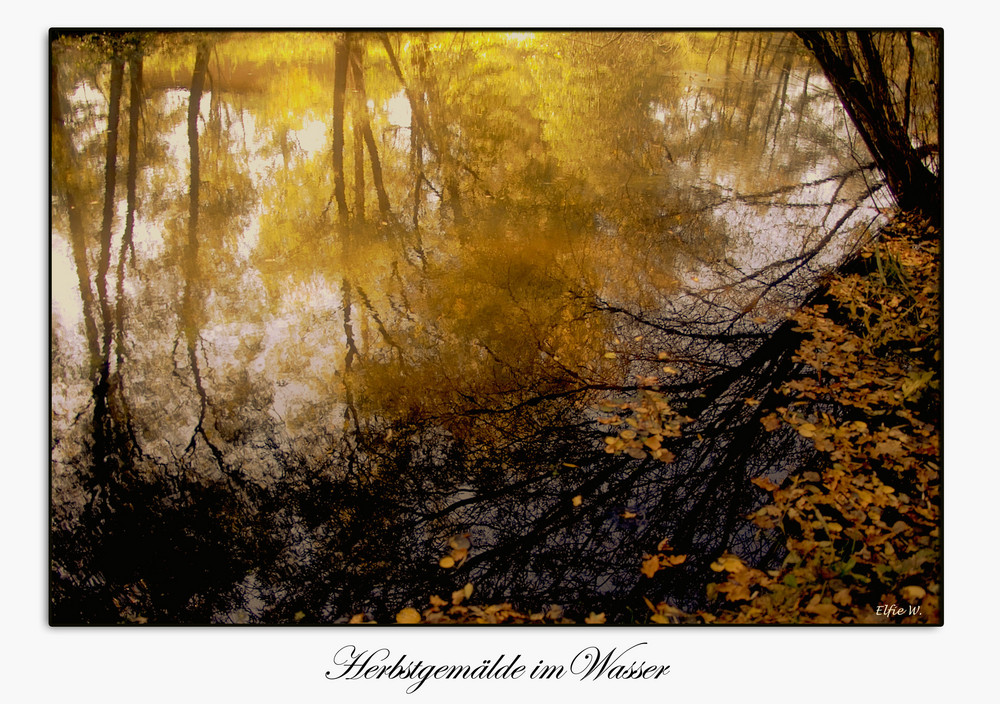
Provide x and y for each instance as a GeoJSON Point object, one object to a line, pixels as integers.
{"type": "Point", "coordinates": [764, 483]}
{"type": "Point", "coordinates": [825, 610]}
{"type": "Point", "coordinates": [842, 597]}
{"type": "Point", "coordinates": [770, 422]}
{"type": "Point", "coordinates": [651, 566]}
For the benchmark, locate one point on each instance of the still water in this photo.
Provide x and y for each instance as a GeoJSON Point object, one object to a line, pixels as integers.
{"type": "Point", "coordinates": [326, 306]}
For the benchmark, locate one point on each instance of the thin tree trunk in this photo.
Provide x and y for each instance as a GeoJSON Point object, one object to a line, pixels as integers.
{"type": "Point", "coordinates": [103, 423]}
{"type": "Point", "coordinates": [417, 169]}
{"type": "Point", "coordinates": [384, 206]}
{"type": "Point", "coordinates": [359, 170]}
{"type": "Point", "coordinates": [62, 148]}
{"type": "Point", "coordinates": [110, 180]}
{"type": "Point", "coordinates": [131, 176]}
{"type": "Point", "coordinates": [191, 305]}
{"type": "Point", "coordinates": [909, 82]}
{"type": "Point", "coordinates": [339, 89]}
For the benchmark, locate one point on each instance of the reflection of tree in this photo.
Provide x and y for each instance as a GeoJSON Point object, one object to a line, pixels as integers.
{"type": "Point", "coordinates": [151, 535]}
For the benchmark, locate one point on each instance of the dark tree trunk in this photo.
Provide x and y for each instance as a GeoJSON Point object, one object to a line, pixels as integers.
{"type": "Point", "coordinates": [853, 65]}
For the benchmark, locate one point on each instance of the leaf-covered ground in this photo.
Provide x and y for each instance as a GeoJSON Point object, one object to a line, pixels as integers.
{"type": "Point", "coordinates": [861, 527]}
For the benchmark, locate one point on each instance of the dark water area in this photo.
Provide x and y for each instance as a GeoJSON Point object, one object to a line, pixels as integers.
{"type": "Point", "coordinates": [329, 310]}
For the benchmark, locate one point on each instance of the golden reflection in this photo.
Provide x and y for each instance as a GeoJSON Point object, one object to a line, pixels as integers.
{"type": "Point", "coordinates": [401, 260]}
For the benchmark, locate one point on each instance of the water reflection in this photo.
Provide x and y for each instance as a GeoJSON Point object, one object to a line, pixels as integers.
{"type": "Point", "coordinates": [376, 291]}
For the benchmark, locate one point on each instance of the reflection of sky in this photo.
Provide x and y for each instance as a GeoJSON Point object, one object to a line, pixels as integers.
{"type": "Point", "coordinates": [398, 110]}
{"type": "Point", "coordinates": [66, 304]}
{"type": "Point", "coordinates": [88, 104]}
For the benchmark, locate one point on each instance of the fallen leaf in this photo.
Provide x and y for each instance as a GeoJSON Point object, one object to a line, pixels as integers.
{"type": "Point", "coordinates": [651, 566]}
{"type": "Point", "coordinates": [842, 597]}
{"type": "Point", "coordinates": [729, 563]}
{"type": "Point", "coordinates": [770, 422]}
{"type": "Point", "coordinates": [577, 500]}
{"type": "Point", "coordinates": [764, 483]}
{"type": "Point", "coordinates": [824, 610]}
{"type": "Point", "coordinates": [914, 593]}
{"type": "Point", "coordinates": [408, 615]}
{"type": "Point", "coordinates": [595, 618]}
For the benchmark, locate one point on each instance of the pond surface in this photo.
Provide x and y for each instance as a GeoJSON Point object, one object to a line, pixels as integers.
{"type": "Point", "coordinates": [328, 309]}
